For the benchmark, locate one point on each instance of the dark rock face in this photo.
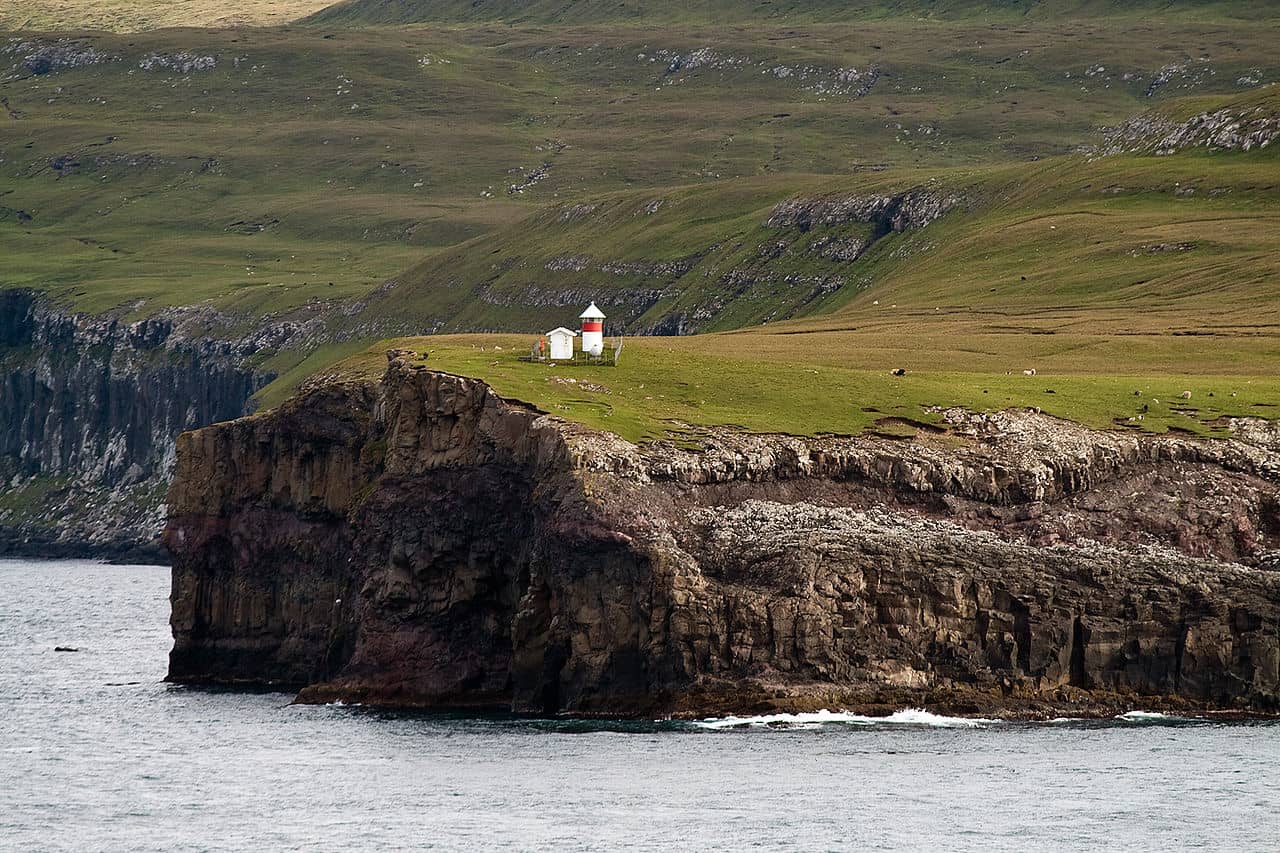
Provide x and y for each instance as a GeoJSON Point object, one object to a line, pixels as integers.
{"type": "Point", "coordinates": [902, 606]}
{"type": "Point", "coordinates": [273, 492]}
{"type": "Point", "coordinates": [89, 408]}
{"type": "Point", "coordinates": [425, 543]}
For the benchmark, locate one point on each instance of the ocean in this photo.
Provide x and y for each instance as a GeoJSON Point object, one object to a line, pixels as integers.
{"type": "Point", "coordinates": [98, 753]}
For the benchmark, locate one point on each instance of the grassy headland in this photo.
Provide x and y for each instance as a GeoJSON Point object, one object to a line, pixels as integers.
{"type": "Point", "coordinates": [835, 383]}
{"type": "Point", "coordinates": [454, 173]}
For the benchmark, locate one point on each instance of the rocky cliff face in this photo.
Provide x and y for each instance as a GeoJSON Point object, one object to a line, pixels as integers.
{"type": "Point", "coordinates": [423, 542]}
{"type": "Point", "coordinates": [89, 408]}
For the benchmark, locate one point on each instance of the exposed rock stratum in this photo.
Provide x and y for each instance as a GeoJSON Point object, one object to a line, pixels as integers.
{"type": "Point", "coordinates": [421, 541]}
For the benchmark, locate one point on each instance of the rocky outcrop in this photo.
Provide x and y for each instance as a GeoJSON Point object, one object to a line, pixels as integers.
{"type": "Point", "coordinates": [41, 56]}
{"type": "Point", "coordinates": [423, 542]}
{"type": "Point", "coordinates": [914, 208]}
{"type": "Point", "coordinates": [824, 81]}
{"type": "Point", "coordinates": [89, 408]}
{"type": "Point", "coordinates": [1227, 129]}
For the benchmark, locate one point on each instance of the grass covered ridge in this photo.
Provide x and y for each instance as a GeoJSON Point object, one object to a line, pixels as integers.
{"type": "Point", "coordinates": [409, 179]}
{"type": "Point", "coordinates": [821, 384]}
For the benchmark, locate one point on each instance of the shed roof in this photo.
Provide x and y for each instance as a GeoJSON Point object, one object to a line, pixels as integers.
{"type": "Point", "coordinates": [561, 330]}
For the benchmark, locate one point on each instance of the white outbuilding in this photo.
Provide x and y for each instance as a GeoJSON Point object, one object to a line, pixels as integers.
{"type": "Point", "coordinates": [560, 342]}
{"type": "Point", "coordinates": [592, 330]}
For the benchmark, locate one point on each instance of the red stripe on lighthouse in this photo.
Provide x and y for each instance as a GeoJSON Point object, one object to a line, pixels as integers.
{"type": "Point", "coordinates": [592, 326]}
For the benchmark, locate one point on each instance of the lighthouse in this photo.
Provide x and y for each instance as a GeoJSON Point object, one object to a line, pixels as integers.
{"type": "Point", "coordinates": [592, 330]}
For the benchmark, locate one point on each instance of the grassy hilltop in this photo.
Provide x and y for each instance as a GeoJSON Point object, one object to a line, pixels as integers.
{"type": "Point", "coordinates": [664, 388]}
{"type": "Point", "coordinates": [406, 168]}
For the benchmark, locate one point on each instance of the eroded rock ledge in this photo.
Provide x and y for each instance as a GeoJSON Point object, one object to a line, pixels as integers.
{"type": "Point", "coordinates": [423, 542]}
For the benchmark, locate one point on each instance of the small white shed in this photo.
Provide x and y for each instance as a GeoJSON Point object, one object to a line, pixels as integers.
{"type": "Point", "coordinates": [560, 341]}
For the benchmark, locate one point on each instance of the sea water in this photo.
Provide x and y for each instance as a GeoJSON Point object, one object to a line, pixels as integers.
{"type": "Point", "coordinates": [97, 753]}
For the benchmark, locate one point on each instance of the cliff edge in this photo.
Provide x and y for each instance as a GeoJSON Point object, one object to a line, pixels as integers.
{"type": "Point", "coordinates": [420, 541]}
{"type": "Point", "coordinates": [89, 408]}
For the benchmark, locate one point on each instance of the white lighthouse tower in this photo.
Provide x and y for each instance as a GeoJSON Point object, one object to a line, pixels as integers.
{"type": "Point", "coordinates": [592, 330]}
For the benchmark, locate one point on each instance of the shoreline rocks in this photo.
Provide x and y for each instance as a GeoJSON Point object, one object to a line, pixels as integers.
{"type": "Point", "coordinates": [421, 542]}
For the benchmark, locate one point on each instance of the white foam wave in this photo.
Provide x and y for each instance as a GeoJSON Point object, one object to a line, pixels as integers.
{"type": "Point", "coordinates": [815, 719]}
{"type": "Point", "coordinates": [1145, 716]}
{"type": "Point", "coordinates": [921, 717]}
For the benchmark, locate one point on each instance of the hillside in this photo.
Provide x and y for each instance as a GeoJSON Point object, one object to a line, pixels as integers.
{"type": "Point", "coordinates": [1179, 242]}
{"type": "Point", "coordinates": [264, 170]}
{"type": "Point", "coordinates": [572, 12]}
{"type": "Point", "coordinates": [142, 15]}
{"type": "Point", "coordinates": [137, 15]}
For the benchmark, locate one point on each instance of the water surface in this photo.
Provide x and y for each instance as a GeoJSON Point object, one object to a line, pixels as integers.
{"type": "Point", "coordinates": [97, 753]}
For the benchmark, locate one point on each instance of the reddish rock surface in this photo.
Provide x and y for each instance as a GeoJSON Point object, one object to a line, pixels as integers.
{"type": "Point", "coordinates": [423, 542]}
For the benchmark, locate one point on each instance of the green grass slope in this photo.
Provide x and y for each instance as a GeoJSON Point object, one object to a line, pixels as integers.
{"type": "Point", "coordinates": [699, 167]}
{"type": "Point", "coordinates": [665, 388]}
{"type": "Point", "coordinates": [305, 166]}
{"type": "Point", "coordinates": [1123, 281]}
{"type": "Point", "coordinates": [1182, 243]}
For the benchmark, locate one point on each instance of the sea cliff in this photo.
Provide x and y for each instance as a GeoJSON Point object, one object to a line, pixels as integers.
{"type": "Point", "coordinates": [420, 541]}
{"type": "Point", "coordinates": [89, 408]}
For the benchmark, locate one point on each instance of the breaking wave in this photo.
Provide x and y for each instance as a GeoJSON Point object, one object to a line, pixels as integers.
{"type": "Point", "coordinates": [1149, 717]}
{"type": "Point", "coordinates": [816, 719]}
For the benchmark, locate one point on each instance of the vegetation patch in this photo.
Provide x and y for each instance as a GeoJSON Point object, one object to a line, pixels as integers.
{"type": "Point", "coordinates": [268, 170]}
{"type": "Point", "coordinates": [662, 387]}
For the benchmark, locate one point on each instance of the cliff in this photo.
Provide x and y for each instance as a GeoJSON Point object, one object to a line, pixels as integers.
{"type": "Point", "coordinates": [89, 409]}
{"type": "Point", "coordinates": [421, 541]}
